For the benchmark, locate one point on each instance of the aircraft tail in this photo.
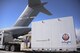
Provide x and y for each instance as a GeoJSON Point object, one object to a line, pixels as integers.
{"type": "Point", "coordinates": [31, 11]}
{"type": "Point", "coordinates": [36, 4]}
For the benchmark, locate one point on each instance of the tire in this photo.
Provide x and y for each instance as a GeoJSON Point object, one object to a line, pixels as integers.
{"type": "Point", "coordinates": [12, 48]}
{"type": "Point", "coordinates": [7, 47]}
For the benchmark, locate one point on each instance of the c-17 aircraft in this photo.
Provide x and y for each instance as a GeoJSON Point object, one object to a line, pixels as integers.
{"type": "Point", "coordinates": [32, 10]}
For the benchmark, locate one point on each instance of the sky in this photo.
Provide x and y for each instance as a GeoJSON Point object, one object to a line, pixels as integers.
{"type": "Point", "coordinates": [10, 10]}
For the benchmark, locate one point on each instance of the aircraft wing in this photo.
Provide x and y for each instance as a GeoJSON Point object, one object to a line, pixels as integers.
{"type": "Point", "coordinates": [17, 31]}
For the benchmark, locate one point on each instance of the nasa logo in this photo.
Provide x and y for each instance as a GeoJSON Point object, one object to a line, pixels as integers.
{"type": "Point", "coordinates": [65, 37]}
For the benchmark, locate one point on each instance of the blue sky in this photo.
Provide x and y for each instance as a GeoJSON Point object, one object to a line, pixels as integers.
{"type": "Point", "coordinates": [10, 10]}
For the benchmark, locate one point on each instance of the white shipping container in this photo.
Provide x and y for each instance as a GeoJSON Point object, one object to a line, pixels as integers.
{"type": "Point", "coordinates": [54, 35]}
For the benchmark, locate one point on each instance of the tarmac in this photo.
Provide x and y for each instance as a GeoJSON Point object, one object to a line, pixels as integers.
{"type": "Point", "coordinates": [2, 51]}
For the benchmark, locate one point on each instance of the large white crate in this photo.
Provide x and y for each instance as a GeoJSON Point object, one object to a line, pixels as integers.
{"type": "Point", "coordinates": [54, 34]}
